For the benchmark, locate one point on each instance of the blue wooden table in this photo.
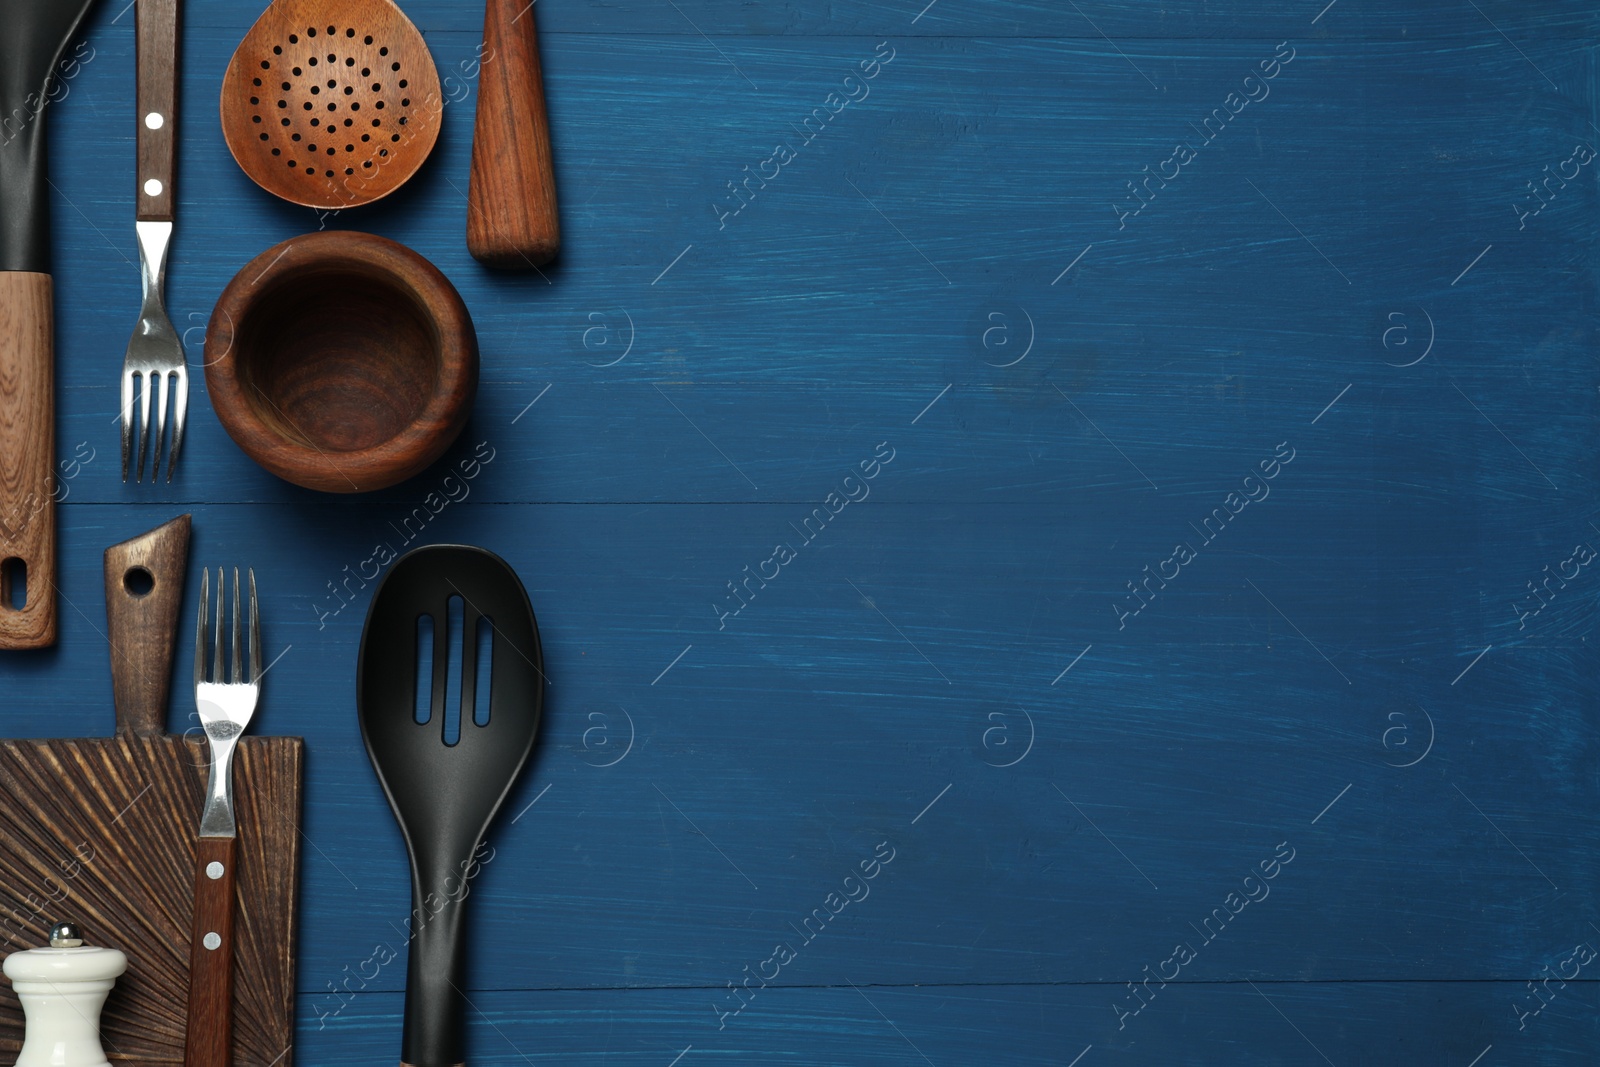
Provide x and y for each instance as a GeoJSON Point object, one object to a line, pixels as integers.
{"type": "Point", "coordinates": [1062, 532]}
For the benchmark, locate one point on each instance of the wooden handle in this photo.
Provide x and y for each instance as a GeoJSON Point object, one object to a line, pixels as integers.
{"type": "Point", "coordinates": [511, 198]}
{"type": "Point", "coordinates": [144, 593]}
{"type": "Point", "coordinates": [27, 462]}
{"type": "Point", "coordinates": [208, 1037]}
{"type": "Point", "coordinates": [156, 30]}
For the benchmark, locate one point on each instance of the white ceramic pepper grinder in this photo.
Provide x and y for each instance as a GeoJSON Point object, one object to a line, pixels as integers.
{"type": "Point", "coordinates": [62, 989]}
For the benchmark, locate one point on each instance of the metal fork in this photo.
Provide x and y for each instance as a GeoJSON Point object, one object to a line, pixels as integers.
{"type": "Point", "coordinates": [225, 707]}
{"type": "Point", "coordinates": [155, 356]}
{"type": "Point", "coordinates": [225, 710]}
{"type": "Point", "coordinates": [154, 351]}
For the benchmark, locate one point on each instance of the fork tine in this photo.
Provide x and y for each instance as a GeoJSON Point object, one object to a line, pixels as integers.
{"type": "Point", "coordinates": [200, 628]}
{"type": "Point", "coordinates": [144, 424]}
{"type": "Point", "coordinates": [216, 662]}
{"type": "Point", "coordinates": [161, 426]}
{"type": "Point", "coordinates": [180, 416]}
{"type": "Point", "coordinates": [127, 420]}
{"type": "Point", "coordinates": [238, 656]}
{"type": "Point", "coordinates": [255, 633]}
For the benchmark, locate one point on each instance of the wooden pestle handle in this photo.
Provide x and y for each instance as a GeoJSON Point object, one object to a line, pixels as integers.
{"type": "Point", "coordinates": [511, 197]}
{"type": "Point", "coordinates": [208, 1034]}
{"type": "Point", "coordinates": [27, 460]}
{"type": "Point", "coordinates": [142, 623]}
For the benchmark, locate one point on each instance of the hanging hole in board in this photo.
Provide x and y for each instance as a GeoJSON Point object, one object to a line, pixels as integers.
{"type": "Point", "coordinates": [14, 583]}
{"type": "Point", "coordinates": [138, 582]}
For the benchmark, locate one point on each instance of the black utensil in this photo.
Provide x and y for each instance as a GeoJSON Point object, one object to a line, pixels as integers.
{"type": "Point", "coordinates": [36, 33]}
{"type": "Point", "coordinates": [447, 774]}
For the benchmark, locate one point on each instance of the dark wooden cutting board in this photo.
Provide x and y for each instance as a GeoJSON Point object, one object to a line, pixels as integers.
{"type": "Point", "coordinates": [101, 831]}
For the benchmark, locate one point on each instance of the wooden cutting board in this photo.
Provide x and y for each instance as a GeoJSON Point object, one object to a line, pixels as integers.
{"type": "Point", "coordinates": [101, 831]}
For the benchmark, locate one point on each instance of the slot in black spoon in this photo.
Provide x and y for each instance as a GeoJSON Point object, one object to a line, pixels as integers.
{"type": "Point", "coordinates": [445, 791]}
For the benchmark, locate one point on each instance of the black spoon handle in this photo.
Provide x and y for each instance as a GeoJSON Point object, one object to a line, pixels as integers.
{"type": "Point", "coordinates": [435, 968]}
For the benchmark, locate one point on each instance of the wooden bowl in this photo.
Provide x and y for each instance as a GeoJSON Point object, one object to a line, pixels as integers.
{"type": "Point", "coordinates": [341, 361]}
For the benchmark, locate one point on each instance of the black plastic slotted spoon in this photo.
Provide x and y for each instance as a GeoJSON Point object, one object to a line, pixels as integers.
{"type": "Point", "coordinates": [446, 774]}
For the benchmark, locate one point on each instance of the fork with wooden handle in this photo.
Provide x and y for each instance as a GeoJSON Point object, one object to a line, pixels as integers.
{"type": "Point", "coordinates": [154, 363]}
{"type": "Point", "coordinates": [225, 710]}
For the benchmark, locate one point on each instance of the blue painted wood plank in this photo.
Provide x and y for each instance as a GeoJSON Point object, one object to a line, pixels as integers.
{"type": "Point", "coordinates": [728, 21]}
{"type": "Point", "coordinates": [871, 692]}
{"type": "Point", "coordinates": [1360, 1024]}
{"type": "Point", "coordinates": [810, 315]}
{"type": "Point", "coordinates": [1073, 652]}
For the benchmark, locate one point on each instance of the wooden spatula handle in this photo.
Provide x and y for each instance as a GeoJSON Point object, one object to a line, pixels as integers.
{"type": "Point", "coordinates": [511, 199]}
{"type": "Point", "coordinates": [208, 1038]}
{"type": "Point", "coordinates": [27, 460]}
{"type": "Point", "coordinates": [144, 593]}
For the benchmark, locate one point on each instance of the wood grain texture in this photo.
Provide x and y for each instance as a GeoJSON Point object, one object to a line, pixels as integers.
{"type": "Point", "coordinates": [208, 1032]}
{"type": "Point", "coordinates": [103, 830]}
{"type": "Point", "coordinates": [342, 361]}
{"type": "Point", "coordinates": [27, 460]}
{"type": "Point", "coordinates": [331, 103]}
{"type": "Point", "coordinates": [806, 331]}
{"type": "Point", "coordinates": [158, 30]}
{"type": "Point", "coordinates": [512, 216]}
{"type": "Point", "coordinates": [141, 623]}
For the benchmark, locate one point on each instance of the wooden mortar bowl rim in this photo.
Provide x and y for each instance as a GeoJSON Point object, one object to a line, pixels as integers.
{"type": "Point", "coordinates": [377, 259]}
